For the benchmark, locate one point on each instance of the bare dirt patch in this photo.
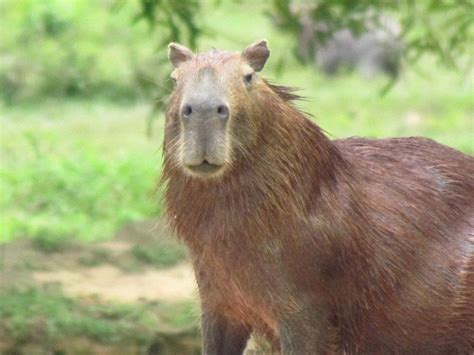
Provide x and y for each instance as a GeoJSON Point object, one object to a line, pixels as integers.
{"type": "Point", "coordinates": [121, 271]}
{"type": "Point", "coordinates": [107, 270]}
{"type": "Point", "coordinates": [113, 284]}
{"type": "Point", "coordinates": [116, 246]}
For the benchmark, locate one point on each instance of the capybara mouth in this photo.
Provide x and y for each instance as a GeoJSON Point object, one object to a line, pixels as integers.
{"type": "Point", "coordinates": [205, 168]}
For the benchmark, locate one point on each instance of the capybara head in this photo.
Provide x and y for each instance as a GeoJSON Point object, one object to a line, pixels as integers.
{"type": "Point", "coordinates": [208, 124]}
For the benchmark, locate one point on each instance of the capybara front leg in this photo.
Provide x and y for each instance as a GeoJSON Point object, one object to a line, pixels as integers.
{"type": "Point", "coordinates": [222, 336]}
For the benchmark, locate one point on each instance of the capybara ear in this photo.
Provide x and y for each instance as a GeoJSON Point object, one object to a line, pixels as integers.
{"type": "Point", "coordinates": [256, 54]}
{"type": "Point", "coordinates": [179, 54]}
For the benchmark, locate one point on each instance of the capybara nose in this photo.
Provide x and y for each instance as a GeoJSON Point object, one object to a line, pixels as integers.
{"type": "Point", "coordinates": [205, 110]}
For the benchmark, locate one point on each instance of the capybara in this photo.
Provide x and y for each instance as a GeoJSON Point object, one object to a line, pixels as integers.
{"type": "Point", "coordinates": [350, 246]}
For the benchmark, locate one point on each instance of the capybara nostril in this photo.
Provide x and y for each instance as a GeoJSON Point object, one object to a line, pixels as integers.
{"type": "Point", "coordinates": [186, 111]}
{"type": "Point", "coordinates": [223, 111]}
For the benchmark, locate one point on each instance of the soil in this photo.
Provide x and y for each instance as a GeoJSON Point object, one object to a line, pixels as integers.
{"type": "Point", "coordinates": [113, 284]}
{"type": "Point", "coordinates": [105, 271]}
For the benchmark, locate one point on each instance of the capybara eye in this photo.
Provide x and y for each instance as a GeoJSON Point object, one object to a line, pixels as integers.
{"type": "Point", "coordinates": [248, 78]}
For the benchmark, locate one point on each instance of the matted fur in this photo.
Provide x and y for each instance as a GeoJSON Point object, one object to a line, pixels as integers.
{"type": "Point", "coordinates": [347, 246]}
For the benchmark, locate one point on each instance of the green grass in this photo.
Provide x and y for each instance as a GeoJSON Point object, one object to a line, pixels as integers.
{"type": "Point", "coordinates": [47, 315]}
{"type": "Point", "coordinates": [74, 48]}
{"type": "Point", "coordinates": [75, 170]}
{"type": "Point", "coordinates": [159, 253]}
{"type": "Point", "coordinates": [181, 315]}
{"type": "Point", "coordinates": [50, 315]}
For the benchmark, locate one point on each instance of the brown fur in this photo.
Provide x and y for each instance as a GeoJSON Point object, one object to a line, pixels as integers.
{"type": "Point", "coordinates": [347, 246]}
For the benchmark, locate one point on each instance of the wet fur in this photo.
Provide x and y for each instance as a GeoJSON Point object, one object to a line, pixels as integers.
{"type": "Point", "coordinates": [347, 246]}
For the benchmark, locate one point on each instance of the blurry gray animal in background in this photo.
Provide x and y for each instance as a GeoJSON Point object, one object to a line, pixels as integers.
{"type": "Point", "coordinates": [378, 50]}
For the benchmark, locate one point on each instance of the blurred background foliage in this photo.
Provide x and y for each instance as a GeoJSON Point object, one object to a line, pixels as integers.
{"type": "Point", "coordinates": [73, 49]}
{"type": "Point", "coordinates": [107, 48]}
{"type": "Point", "coordinates": [440, 28]}
{"type": "Point", "coordinates": [116, 49]}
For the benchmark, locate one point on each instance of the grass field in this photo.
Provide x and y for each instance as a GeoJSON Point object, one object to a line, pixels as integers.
{"type": "Point", "coordinates": [79, 169]}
